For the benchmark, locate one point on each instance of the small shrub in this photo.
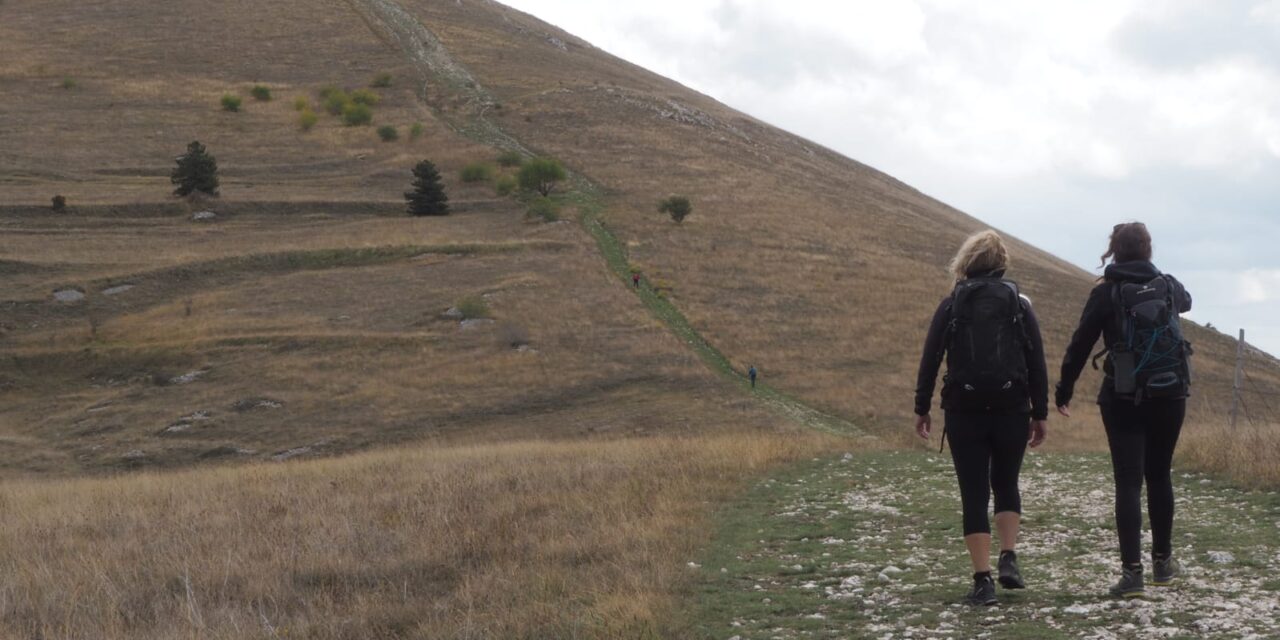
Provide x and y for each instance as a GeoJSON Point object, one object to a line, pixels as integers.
{"type": "Point", "coordinates": [505, 186]}
{"type": "Point", "coordinates": [231, 102]}
{"type": "Point", "coordinates": [336, 101]}
{"type": "Point", "coordinates": [541, 175]}
{"type": "Point", "coordinates": [59, 203]}
{"type": "Point", "coordinates": [415, 131]}
{"type": "Point", "coordinates": [678, 207]}
{"type": "Point", "coordinates": [354, 115]}
{"type": "Point", "coordinates": [365, 97]}
{"type": "Point", "coordinates": [388, 133]}
{"type": "Point", "coordinates": [69, 83]}
{"type": "Point", "coordinates": [381, 81]}
{"type": "Point", "coordinates": [301, 103]}
{"type": "Point", "coordinates": [307, 119]}
{"type": "Point", "coordinates": [544, 209]}
{"type": "Point", "coordinates": [260, 93]}
{"type": "Point", "coordinates": [329, 90]}
{"type": "Point", "coordinates": [473, 307]}
{"type": "Point", "coordinates": [511, 159]}
{"type": "Point", "coordinates": [477, 172]}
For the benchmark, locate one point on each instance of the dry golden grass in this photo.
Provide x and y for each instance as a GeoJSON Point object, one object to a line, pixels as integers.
{"type": "Point", "coordinates": [1248, 455]}
{"type": "Point", "coordinates": [518, 540]}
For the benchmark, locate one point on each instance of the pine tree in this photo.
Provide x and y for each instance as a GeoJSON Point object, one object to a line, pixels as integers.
{"type": "Point", "coordinates": [428, 197]}
{"type": "Point", "coordinates": [196, 171]}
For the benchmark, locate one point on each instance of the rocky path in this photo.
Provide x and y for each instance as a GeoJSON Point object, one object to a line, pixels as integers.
{"type": "Point", "coordinates": [868, 546]}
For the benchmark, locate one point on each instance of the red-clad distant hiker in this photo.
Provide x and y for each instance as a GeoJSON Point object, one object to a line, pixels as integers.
{"type": "Point", "coordinates": [752, 373]}
{"type": "Point", "coordinates": [1143, 399]}
{"type": "Point", "coordinates": [995, 397]}
{"type": "Point", "coordinates": [635, 280]}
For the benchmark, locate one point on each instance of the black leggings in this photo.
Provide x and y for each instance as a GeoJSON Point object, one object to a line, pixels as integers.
{"type": "Point", "coordinates": [1142, 440]}
{"type": "Point", "coordinates": [987, 450]}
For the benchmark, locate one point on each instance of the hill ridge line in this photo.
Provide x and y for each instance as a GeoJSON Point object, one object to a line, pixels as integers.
{"type": "Point", "coordinates": [400, 28]}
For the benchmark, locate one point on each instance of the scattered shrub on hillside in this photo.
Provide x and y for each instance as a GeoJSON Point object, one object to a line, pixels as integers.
{"type": "Point", "coordinates": [59, 203]}
{"type": "Point", "coordinates": [328, 90]}
{"type": "Point", "coordinates": [69, 83]}
{"type": "Point", "coordinates": [541, 175]}
{"type": "Point", "coordinates": [365, 97]}
{"type": "Point", "coordinates": [505, 186]}
{"type": "Point", "coordinates": [678, 207]}
{"type": "Point", "coordinates": [543, 208]}
{"type": "Point", "coordinates": [477, 172]}
{"type": "Point", "coordinates": [511, 159]}
{"type": "Point", "coordinates": [388, 133]}
{"type": "Point", "coordinates": [301, 103]}
{"type": "Point", "coordinates": [307, 119]}
{"type": "Point", "coordinates": [473, 307]}
{"type": "Point", "coordinates": [230, 102]}
{"type": "Point", "coordinates": [196, 173]}
{"type": "Point", "coordinates": [415, 131]}
{"type": "Point", "coordinates": [381, 81]}
{"type": "Point", "coordinates": [260, 92]}
{"type": "Point", "coordinates": [428, 197]}
{"type": "Point", "coordinates": [335, 101]}
{"type": "Point", "coordinates": [354, 115]}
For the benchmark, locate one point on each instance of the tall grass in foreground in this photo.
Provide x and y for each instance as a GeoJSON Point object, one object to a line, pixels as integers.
{"type": "Point", "coordinates": [520, 540]}
{"type": "Point", "coordinates": [1249, 454]}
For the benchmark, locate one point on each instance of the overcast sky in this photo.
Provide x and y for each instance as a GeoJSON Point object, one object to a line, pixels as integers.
{"type": "Point", "coordinates": [1052, 121]}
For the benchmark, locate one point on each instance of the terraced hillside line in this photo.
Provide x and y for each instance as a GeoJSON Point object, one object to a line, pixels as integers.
{"type": "Point", "coordinates": [869, 546]}
{"type": "Point", "coordinates": [423, 48]}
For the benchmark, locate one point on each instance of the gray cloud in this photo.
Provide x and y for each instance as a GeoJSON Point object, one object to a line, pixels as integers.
{"type": "Point", "coordinates": [1187, 34]}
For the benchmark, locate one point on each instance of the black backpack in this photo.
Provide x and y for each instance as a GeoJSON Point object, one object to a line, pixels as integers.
{"type": "Point", "coordinates": [1151, 359]}
{"type": "Point", "coordinates": [987, 346]}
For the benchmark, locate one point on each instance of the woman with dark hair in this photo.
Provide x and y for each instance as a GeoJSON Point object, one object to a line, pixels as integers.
{"type": "Point", "coordinates": [1143, 398]}
{"type": "Point", "coordinates": [996, 399]}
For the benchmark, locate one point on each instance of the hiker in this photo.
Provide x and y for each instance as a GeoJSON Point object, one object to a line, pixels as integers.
{"type": "Point", "coordinates": [995, 398]}
{"type": "Point", "coordinates": [1143, 402]}
{"type": "Point", "coordinates": [752, 373]}
{"type": "Point", "coordinates": [635, 280]}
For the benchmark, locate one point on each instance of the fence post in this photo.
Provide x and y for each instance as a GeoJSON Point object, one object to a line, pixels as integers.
{"type": "Point", "coordinates": [1235, 385]}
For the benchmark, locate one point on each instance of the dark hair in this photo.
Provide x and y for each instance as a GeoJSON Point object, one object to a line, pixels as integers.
{"type": "Point", "coordinates": [1130, 241]}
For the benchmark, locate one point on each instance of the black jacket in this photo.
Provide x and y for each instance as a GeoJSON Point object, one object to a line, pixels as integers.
{"type": "Point", "coordinates": [1099, 319]}
{"type": "Point", "coordinates": [935, 350]}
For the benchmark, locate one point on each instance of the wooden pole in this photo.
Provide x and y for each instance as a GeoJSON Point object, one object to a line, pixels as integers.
{"type": "Point", "coordinates": [1235, 386]}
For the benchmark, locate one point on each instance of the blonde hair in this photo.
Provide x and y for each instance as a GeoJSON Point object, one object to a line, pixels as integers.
{"type": "Point", "coordinates": [982, 252]}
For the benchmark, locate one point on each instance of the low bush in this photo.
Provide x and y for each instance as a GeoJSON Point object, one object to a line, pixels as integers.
{"type": "Point", "coordinates": [505, 186]}
{"type": "Point", "coordinates": [365, 97]}
{"type": "Point", "coordinates": [329, 90]}
{"type": "Point", "coordinates": [477, 172]}
{"type": "Point", "coordinates": [307, 119]}
{"type": "Point", "coordinates": [231, 102]}
{"type": "Point", "coordinates": [69, 83]}
{"type": "Point", "coordinates": [543, 208]}
{"type": "Point", "coordinates": [678, 207]}
{"type": "Point", "coordinates": [415, 131]}
{"type": "Point", "coordinates": [301, 103]}
{"type": "Point", "coordinates": [354, 114]}
{"type": "Point", "coordinates": [473, 307]}
{"type": "Point", "coordinates": [511, 159]}
{"type": "Point", "coordinates": [381, 81]}
{"type": "Point", "coordinates": [541, 175]}
{"type": "Point", "coordinates": [388, 133]}
{"type": "Point", "coordinates": [260, 93]}
{"type": "Point", "coordinates": [335, 101]}
{"type": "Point", "coordinates": [59, 203]}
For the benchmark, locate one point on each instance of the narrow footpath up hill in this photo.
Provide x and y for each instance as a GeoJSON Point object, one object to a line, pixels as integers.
{"type": "Point", "coordinates": [868, 546]}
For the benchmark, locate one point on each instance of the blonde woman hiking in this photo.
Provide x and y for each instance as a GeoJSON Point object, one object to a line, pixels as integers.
{"type": "Point", "coordinates": [995, 397]}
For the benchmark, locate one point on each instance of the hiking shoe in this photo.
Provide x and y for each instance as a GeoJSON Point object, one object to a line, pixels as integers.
{"type": "Point", "coordinates": [1010, 576]}
{"type": "Point", "coordinates": [1130, 584]}
{"type": "Point", "coordinates": [1165, 571]}
{"type": "Point", "coordinates": [983, 593]}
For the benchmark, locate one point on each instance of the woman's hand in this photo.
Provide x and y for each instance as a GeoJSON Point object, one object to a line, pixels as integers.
{"type": "Point", "coordinates": [924, 424]}
{"type": "Point", "coordinates": [1039, 430]}
{"type": "Point", "coordinates": [1065, 410]}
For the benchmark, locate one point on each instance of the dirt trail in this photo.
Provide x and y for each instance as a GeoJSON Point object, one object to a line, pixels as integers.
{"type": "Point", "coordinates": [868, 546]}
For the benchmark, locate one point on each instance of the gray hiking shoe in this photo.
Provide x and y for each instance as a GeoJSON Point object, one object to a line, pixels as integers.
{"type": "Point", "coordinates": [1166, 569]}
{"type": "Point", "coordinates": [1130, 584]}
{"type": "Point", "coordinates": [983, 593]}
{"type": "Point", "coordinates": [1010, 576]}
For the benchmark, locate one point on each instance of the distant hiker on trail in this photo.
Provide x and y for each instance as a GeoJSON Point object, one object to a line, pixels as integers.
{"type": "Point", "coordinates": [1144, 395]}
{"type": "Point", "coordinates": [752, 373]}
{"type": "Point", "coordinates": [635, 280]}
{"type": "Point", "coordinates": [995, 397]}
